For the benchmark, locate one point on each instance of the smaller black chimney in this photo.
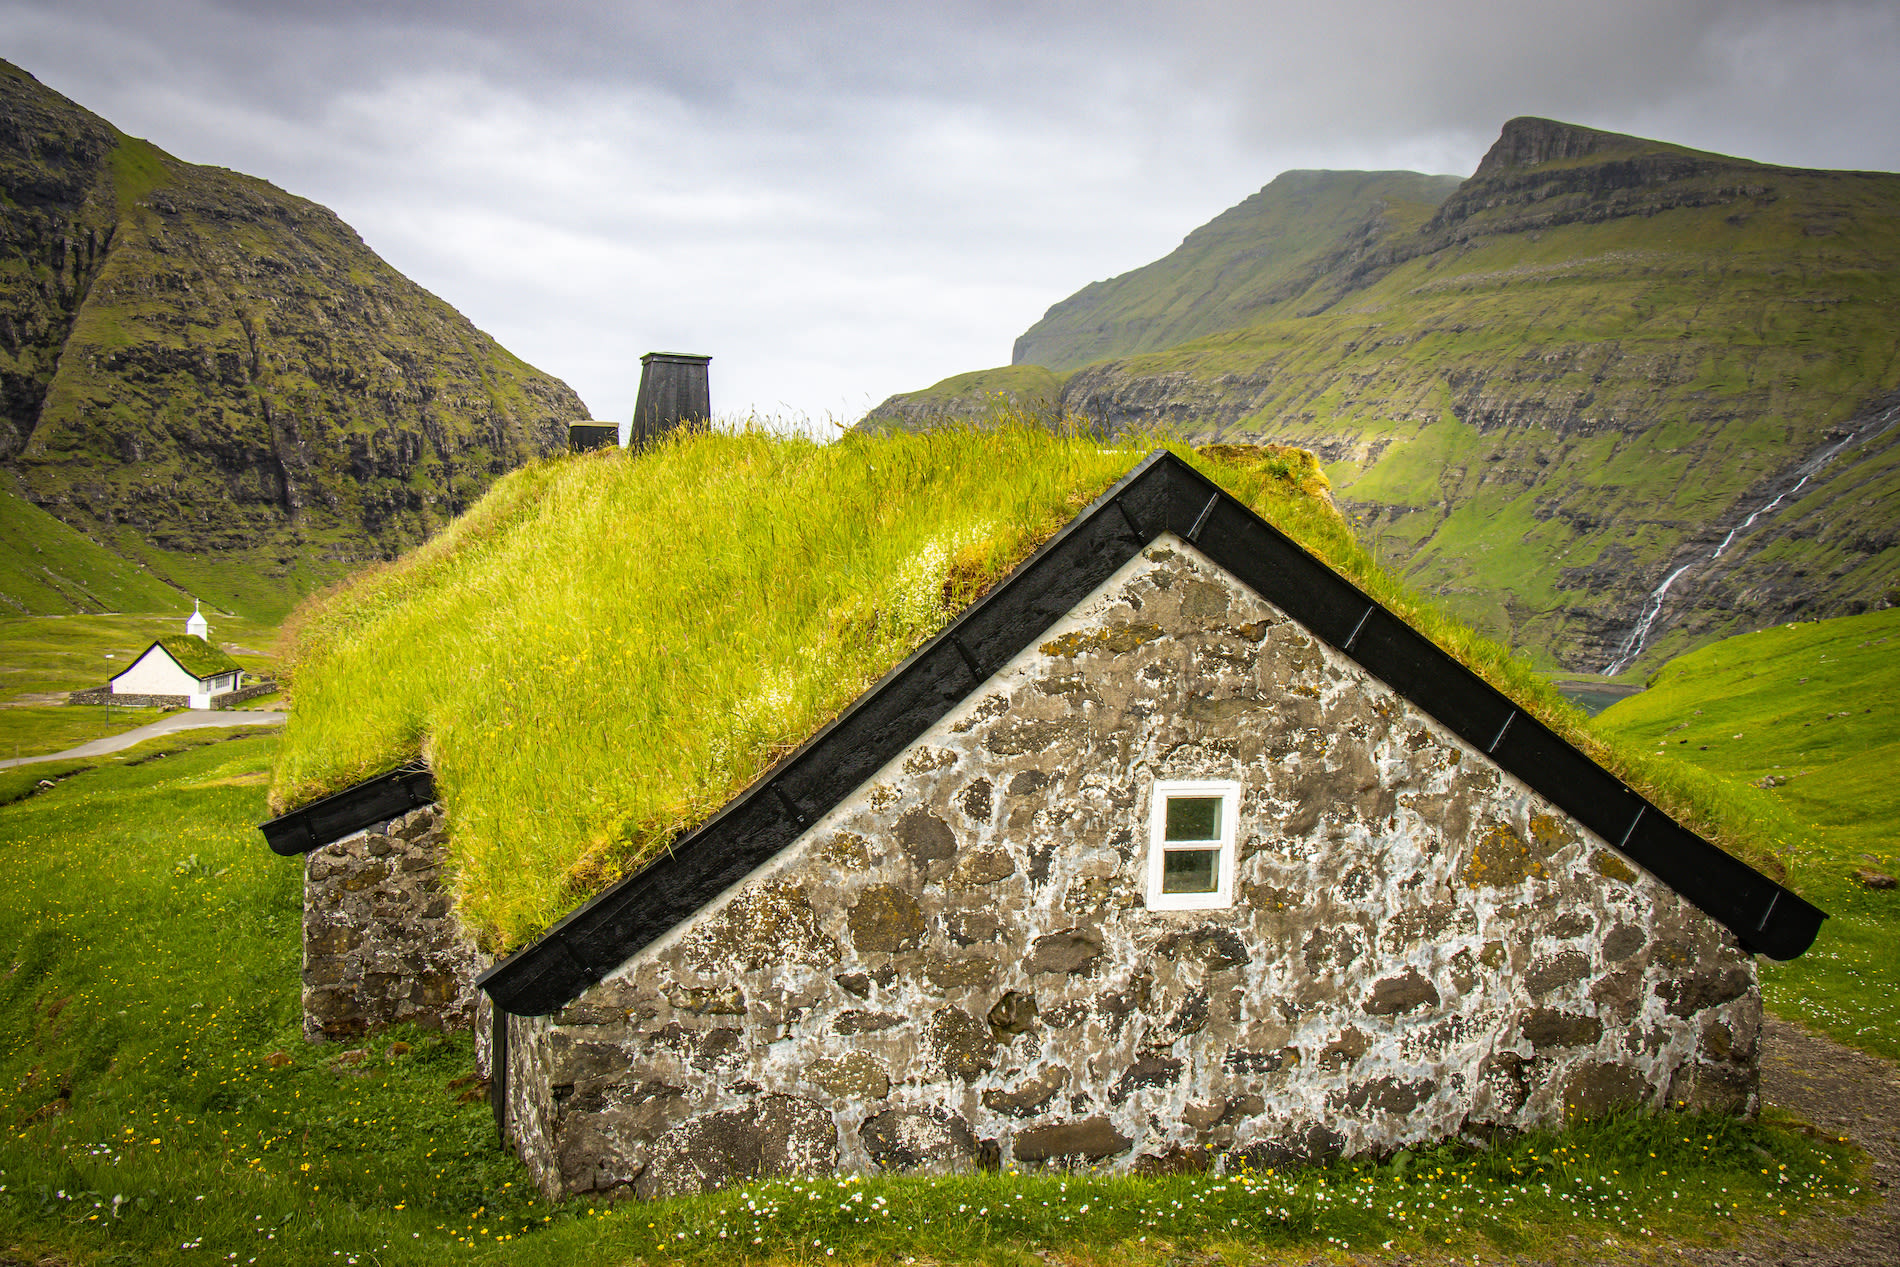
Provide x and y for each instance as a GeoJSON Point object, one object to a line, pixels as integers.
{"type": "Point", "coordinates": [673, 393]}
{"type": "Point", "coordinates": [585, 437]}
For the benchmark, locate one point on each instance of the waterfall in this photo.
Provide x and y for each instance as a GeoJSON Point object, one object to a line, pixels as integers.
{"type": "Point", "coordinates": [1652, 608]}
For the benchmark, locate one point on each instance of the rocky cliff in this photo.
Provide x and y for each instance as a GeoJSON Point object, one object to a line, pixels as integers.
{"type": "Point", "coordinates": [1564, 383]}
{"type": "Point", "coordinates": [219, 379]}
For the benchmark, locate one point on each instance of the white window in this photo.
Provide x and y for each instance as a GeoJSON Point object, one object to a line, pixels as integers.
{"type": "Point", "coordinates": [1191, 844]}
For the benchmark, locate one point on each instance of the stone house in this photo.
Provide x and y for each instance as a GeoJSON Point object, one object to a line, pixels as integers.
{"type": "Point", "coordinates": [1174, 846]}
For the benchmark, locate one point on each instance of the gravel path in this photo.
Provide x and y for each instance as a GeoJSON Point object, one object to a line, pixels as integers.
{"type": "Point", "coordinates": [1843, 1092]}
{"type": "Point", "coordinates": [191, 719]}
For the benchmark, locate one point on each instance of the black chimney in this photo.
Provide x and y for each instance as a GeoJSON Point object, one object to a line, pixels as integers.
{"type": "Point", "coordinates": [673, 393]}
{"type": "Point", "coordinates": [585, 437]}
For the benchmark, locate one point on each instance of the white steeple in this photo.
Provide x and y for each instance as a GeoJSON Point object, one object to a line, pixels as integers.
{"type": "Point", "coordinates": [196, 626]}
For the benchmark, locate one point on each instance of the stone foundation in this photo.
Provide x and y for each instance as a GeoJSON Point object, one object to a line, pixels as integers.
{"type": "Point", "coordinates": [104, 695]}
{"type": "Point", "coordinates": [230, 699]}
{"type": "Point", "coordinates": [381, 943]}
{"type": "Point", "coordinates": [957, 966]}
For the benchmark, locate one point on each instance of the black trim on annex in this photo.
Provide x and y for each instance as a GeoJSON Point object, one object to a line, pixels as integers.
{"type": "Point", "coordinates": [351, 810]}
{"type": "Point", "coordinates": [1162, 493]}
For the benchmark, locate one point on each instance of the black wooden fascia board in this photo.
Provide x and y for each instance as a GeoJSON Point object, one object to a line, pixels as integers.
{"type": "Point", "coordinates": [1162, 493]}
{"type": "Point", "coordinates": [317, 824]}
{"type": "Point", "coordinates": [1766, 917]}
{"type": "Point", "coordinates": [755, 825]}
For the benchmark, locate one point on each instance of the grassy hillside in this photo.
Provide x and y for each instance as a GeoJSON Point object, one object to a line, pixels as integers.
{"type": "Point", "coordinates": [1567, 382]}
{"type": "Point", "coordinates": [983, 397]}
{"type": "Point", "coordinates": [162, 1107]}
{"type": "Point", "coordinates": [219, 380]}
{"type": "Point", "coordinates": [48, 568]}
{"type": "Point", "coordinates": [1801, 719]}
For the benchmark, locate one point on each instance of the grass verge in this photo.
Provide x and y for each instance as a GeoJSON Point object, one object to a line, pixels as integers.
{"type": "Point", "coordinates": [32, 730]}
{"type": "Point", "coordinates": [1623, 1181]}
{"type": "Point", "coordinates": [21, 782]}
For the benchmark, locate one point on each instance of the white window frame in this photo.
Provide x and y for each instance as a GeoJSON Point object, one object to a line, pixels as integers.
{"type": "Point", "coordinates": [1223, 895]}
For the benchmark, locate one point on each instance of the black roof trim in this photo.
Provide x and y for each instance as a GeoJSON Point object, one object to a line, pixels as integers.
{"type": "Point", "coordinates": [351, 810]}
{"type": "Point", "coordinates": [1162, 493]}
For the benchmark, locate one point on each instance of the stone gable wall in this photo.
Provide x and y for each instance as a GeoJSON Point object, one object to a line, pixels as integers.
{"type": "Point", "coordinates": [956, 967]}
{"type": "Point", "coordinates": [381, 943]}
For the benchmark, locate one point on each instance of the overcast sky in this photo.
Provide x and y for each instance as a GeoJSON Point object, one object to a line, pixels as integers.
{"type": "Point", "coordinates": [838, 201]}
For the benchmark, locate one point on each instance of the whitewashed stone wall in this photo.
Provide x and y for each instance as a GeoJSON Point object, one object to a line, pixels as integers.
{"type": "Point", "coordinates": [956, 967]}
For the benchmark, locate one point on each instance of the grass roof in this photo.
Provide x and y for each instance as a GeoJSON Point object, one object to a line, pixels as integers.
{"type": "Point", "coordinates": [607, 648]}
{"type": "Point", "coordinates": [198, 657]}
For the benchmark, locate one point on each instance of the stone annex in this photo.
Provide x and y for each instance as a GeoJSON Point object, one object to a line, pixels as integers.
{"type": "Point", "coordinates": [1173, 848]}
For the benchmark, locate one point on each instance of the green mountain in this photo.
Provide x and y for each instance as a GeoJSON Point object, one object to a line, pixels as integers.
{"type": "Point", "coordinates": [1558, 389]}
{"type": "Point", "coordinates": [1294, 245]}
{"type": "Point", "coordinates": [218, 380]}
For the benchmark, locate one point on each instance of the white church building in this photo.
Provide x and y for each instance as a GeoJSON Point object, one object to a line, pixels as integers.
{"type": "Point", "coordinates": [187, 665]}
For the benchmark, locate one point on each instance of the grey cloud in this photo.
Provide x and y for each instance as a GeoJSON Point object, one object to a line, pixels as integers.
{"type": "Point", "coordinates": [1761, 78]}
{"type": "Point", "coordinates": [840, 200]}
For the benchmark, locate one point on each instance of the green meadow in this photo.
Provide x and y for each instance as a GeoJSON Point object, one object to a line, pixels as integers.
{"type": "Point", "coordinates": [1797, 723]}
{"type": "Point", "coordinates": [158, 1104]}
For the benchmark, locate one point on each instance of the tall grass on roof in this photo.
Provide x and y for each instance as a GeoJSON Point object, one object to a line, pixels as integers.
{"type": "Point", "coordinates": [607, 648]}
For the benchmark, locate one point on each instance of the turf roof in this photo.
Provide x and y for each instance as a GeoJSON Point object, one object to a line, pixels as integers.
{"type": "Point", "coordinates": [607, 649]}
{"type": "Point", "coordinates": [196, 656]}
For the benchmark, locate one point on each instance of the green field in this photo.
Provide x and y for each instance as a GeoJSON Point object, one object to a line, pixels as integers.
{"type": "Point", "coordinates": [160, 1105]}
{"type": "Point", "coordinates": [1800, 722]}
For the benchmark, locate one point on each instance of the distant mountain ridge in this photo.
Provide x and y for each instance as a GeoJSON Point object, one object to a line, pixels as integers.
{"type": "Point", "coordinates": [1546, 393]}
{"type": "Point", "coordinates": [219, 379]}
{"type": "Point", "coordinates": [1245, 265]}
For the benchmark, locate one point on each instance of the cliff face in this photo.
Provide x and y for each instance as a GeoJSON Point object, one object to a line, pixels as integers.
{"type": "Point", "coordinates": [1570, 380]}
{"type": "Point", "coordinates": [197, 364]}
